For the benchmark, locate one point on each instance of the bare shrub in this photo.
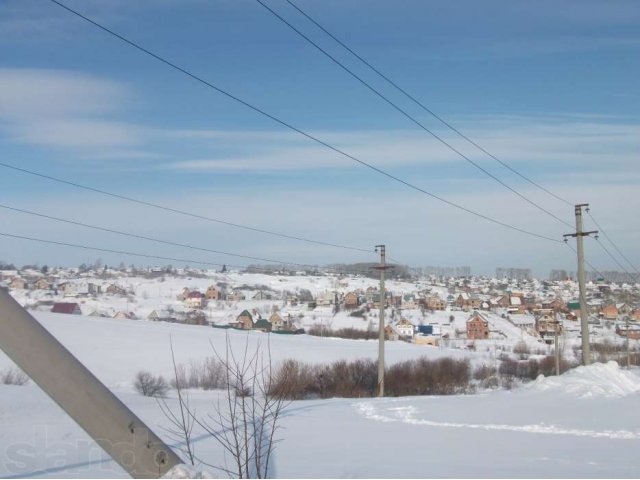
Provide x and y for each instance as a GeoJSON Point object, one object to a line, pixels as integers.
{"type": "Point", "coordinates": [207, 375]}
{"type": "Point", "coordinates": [348, 333]}
{"type": "Point", "coordinates": [548, 365]}
{"type": "Point", "coordinates": [483, 372]}
{"type": "Point", "coordinates": [522, 349]}
{"type": "Point", "coordinates": [149, 385]}
{"type": "Point", "coordinates": [13, 376]}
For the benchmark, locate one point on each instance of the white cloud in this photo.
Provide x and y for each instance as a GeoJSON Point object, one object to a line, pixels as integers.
{"type": "Point", "coordinates": [63, 109]}
{"type": "Point", "coordinates": [38, 93]}
{"type": "Point", "coordinates": [561, 140]}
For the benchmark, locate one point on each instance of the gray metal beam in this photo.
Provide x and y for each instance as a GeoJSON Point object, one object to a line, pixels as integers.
{"type": "Point", "coordinates": [79, 393]}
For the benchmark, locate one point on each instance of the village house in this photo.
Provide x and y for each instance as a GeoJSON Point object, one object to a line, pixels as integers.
{"type": "Point", "coordinates": [262, 325]}
{"type": "Point", "coordinates": [114, 289]}
{"type": "Point", "coordinates": [632, 331]}
{"type": "Point", "coordinates": [182, 296]}
{"type": "Point", "coordinates": [277, 322]}
{"type": "Point", "coordinates": [235, 296]}
{"type": "Point", "coordinates": [623, 308]}
{"type": "Point", "coordinates": [213, 293]}
{"type": "Point", "coordinates": [17, 283]}
{"type": "Point", "coordinates": [434, 302]}
{"type": "Point", "coordinates": [556, 305]}
{"type": "Point", "coordinates": [547, 326]}
{"type": "Point", "coordinates": [635, 315]}
{"type": "Point", "coordinates": [405, 328]}
{"type": "Point", "coordinates": [244, 321]}
{"type": "Point", "coordinates": [66, 308]}
{"type": "Point", "coordinates": [67, 289]}
{"type": "Point", "coordinates": [326, 299]}
{"type": "Point", "coordinates": [609, 312]}
{"type": "Point", "coordinates": [390, 333]}
{"type": "Point", "coordinates": [431, 340]}
{"type": "Point", "coordinates": [409, 301]}
{"type": "Point", "coordinates": [351, 301]}
{"type": "Point", "coordinates": [477, 327]}
{"type": "Point", "coordinates": [125, 315]}
{"type": "Point", "coordinates": [262, 295]}
{"type": "Point", "coordinates": [195, 299]}
{"type": "Point", "coordinates": [573, 310]}
{"type": "Point", "coordinates": [41, 284]}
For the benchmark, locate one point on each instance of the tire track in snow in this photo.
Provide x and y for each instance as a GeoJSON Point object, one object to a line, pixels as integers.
{"type": "Point", "coordinates": [407, 415]}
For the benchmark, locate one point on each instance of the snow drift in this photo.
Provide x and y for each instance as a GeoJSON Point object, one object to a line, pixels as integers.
{"type": "Point", "coordinates": [596, 380]}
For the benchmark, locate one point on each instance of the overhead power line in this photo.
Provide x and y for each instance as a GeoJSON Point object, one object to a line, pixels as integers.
{"type": "Point", "coordinates": [182, 212]}
{"type": "Point", "coordinates": [295, 129]}
{"type": "Point", "coordinates": [171, 259]}
{"type": "Point", "coordinates": [411, 117]}
{"type": "Point", "coordinates": [120, 252]}
{"type": "Point", "coordinates": [629, 275]}
{"type": "Point", "coordinates": [612, 243]}
{"type": "Point", "coordinates": [184, 245]}
{"type": "Point", "coordinates": [593, 269]}
{"type": "Point", "coordinates": [151, 239]}
{"type": "Point", "coordinates": [424, 107]}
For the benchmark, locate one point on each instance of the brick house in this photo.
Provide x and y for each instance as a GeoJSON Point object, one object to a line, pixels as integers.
{"type": "Point", "coordinates": [18, 284]}
{"type": "Point", "coordinates": [434, 302]}
{"type": "Point", "coordinates": [244, 321]}
{"type": "Point", "coordinates": [213, 293]}
{"type": "Point", "coordinates": [390, 333]}
{"type": "Point", "coordinates": [609, 312]}
{"type": "Point", "coordinates": [633, 331]}
{"type": "Point", "coordinates": [41, 284]}
{"type": "Point", "coordinates": [351, 301]}
{"type": "Point", "coordinates": [477, 327]}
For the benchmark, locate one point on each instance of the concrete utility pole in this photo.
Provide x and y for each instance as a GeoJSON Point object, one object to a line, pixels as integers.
{"type": "Point", "coordinates": [626, 323]}
{"type": "Point", "coordinates": [383, 301]}
{"type": "Point", "coordinates": [74, 388]}
{"type": "Point", "coordinates": [555, 342]}
{"type": "Point", "coordinates": [584, 320]}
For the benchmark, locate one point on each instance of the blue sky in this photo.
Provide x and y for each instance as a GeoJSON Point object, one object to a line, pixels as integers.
{"type": "Point", "coordinates": [549, 87]}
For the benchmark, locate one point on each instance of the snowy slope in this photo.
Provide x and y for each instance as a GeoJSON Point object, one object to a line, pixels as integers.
{"type": "Point", "coordinates": [583, 424]}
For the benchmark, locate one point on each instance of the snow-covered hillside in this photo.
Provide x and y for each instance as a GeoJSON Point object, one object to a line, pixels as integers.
{"type": "Point", "coordinates": [583, 424]}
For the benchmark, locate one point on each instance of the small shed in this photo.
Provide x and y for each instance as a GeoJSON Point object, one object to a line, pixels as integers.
{"type": "Point", "coordinates": [68, 308]}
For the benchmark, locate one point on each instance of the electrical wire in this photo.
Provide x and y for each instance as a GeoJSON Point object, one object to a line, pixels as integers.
{"type": "Point", "coordinates": [249, 268]}
{"type": "Point", "coordinates": [182, 212]}
{"type": "Point", "coordinates": [629, 275]}
{"type": "Point", "coordinates": [152, 239]}
{"type": "Point", "coordinates": [612, 243]}
{"type": "Point", "coordinates": [295, 129]}
{"type": "Point", "coordinates": [593, 269]}
{"type": "Point", "coordinates": [410, 117]}
{"type": "Point", "coordinates": [423, 106]}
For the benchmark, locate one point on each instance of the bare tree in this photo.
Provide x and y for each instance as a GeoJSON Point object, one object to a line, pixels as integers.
{"type": "Point", "coordinates": [182, 422]}
{"type": "Point", "coordinates": [245, 417]}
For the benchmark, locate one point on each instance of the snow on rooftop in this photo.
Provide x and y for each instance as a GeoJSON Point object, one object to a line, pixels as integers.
{"type": "Point", "coordinates": [596, 380]}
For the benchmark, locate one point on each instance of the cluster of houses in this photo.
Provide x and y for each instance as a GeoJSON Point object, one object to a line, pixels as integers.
{"type": "Point", "coordinates": [545, 301]}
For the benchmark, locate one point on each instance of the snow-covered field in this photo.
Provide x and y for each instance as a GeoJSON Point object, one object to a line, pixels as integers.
{"type": "Point", "coordinates": [584, 424]}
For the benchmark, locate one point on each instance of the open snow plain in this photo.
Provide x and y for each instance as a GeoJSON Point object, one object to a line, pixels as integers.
{"type": "Point", "coordinates": [584, 424]}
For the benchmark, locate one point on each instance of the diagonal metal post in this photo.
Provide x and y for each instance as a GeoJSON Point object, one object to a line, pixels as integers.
{"type": "Point", "coordinates": [79, 393]}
